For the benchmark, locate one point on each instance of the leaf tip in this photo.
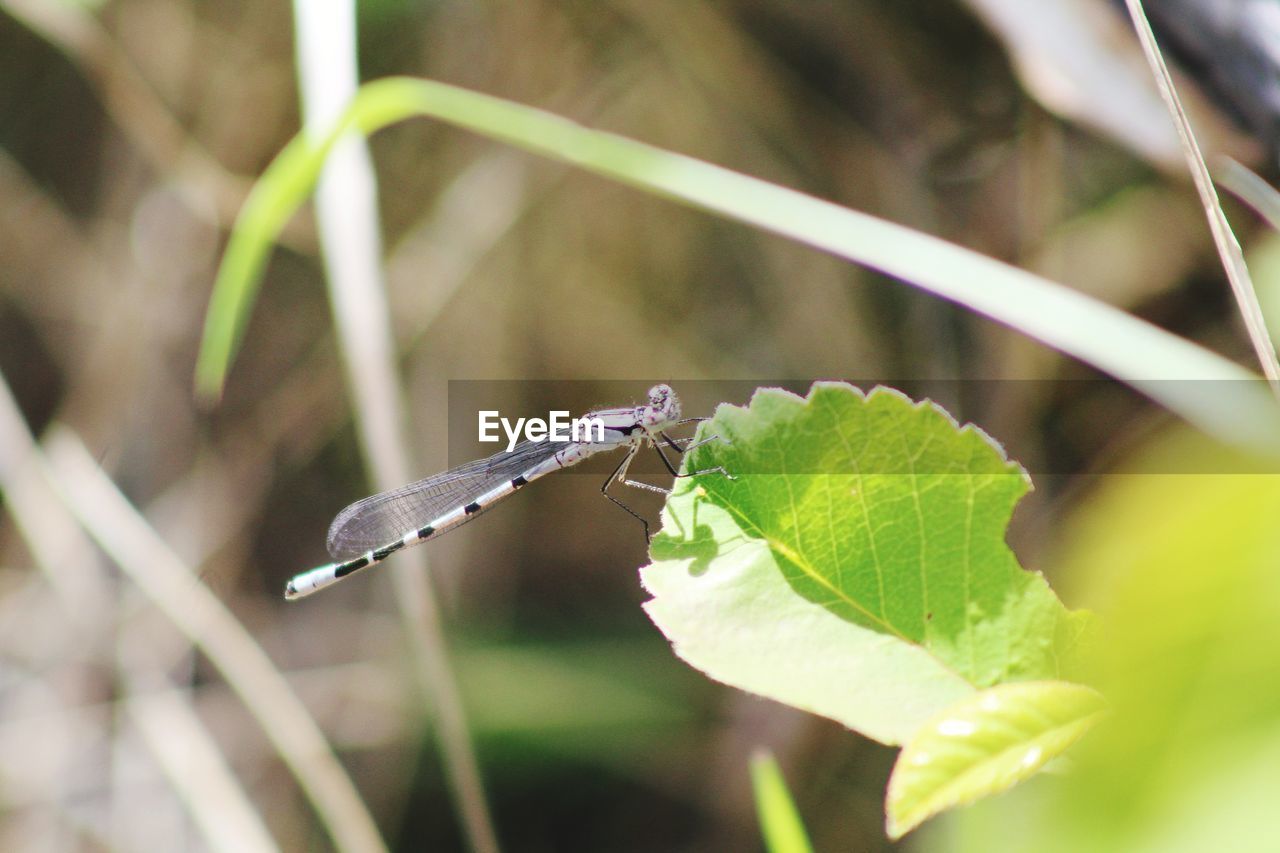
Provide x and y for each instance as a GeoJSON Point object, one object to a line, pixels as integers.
{"type": "Point", "coordinates": [209, 381]}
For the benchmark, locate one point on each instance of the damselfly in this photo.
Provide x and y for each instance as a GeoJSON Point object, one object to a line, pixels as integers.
{"type": "Point", "coordinates": [370, 530]}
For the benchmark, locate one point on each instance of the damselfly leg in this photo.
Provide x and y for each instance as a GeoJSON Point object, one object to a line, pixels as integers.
{"type": "Point", "coordinates": [620, 473]}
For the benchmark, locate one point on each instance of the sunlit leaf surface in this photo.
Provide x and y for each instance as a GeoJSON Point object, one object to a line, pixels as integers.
{"type": "Point", "coordinates": [984, 744]}
{"type": "Point", "coordinates": [855, 566]}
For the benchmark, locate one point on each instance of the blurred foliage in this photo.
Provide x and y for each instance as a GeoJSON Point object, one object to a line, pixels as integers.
{"type": "Point", "coordinates": [1182, 567]}
{"type": "Point", "coordinates": [781, 826]}
{"type": "Point", "coordinates": [129, 134]}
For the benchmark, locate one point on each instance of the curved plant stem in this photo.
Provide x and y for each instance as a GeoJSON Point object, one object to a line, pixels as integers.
{"type": "Point", "coordinates": [1215, 394]}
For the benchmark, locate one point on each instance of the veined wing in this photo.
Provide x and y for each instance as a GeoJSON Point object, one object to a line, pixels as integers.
{"type": "Point", "coordinates": [385, 517]}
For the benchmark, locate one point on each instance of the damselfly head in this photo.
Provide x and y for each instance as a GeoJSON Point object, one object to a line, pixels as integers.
{"type": "Point", "coordinates": [663, 409]}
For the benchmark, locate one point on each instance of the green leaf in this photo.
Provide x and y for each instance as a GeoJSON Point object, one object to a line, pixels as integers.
{"type": "Point", "coordinates": [779, 821]}
{"type": "Point", "coordinates": [984, 744]}
{"type": "Point", "coordinates": [855, 567]}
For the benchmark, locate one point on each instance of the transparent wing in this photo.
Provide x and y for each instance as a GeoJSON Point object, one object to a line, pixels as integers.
{"type": "Point", "coordinates": [376, 521]}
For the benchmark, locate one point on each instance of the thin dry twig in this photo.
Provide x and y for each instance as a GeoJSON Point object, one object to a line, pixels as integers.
{"type": "Point", "coordinates": [1223, 237]}
{"type": "Point", "coordinates": [51, 534]}
{"type": "Point", "coordinates": [149, 561]}
{"type": "Point", "coordinates": [199, 772]}
{"type": "Point", "coordinates": [1248, 186]}
{"type": "Point", "coordinates": [346, 208]}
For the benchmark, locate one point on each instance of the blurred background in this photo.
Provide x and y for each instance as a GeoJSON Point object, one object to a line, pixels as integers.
{"type": "Point", "coordinates": [130, 132]}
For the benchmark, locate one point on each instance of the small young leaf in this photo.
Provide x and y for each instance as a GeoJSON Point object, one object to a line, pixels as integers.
{"type": "Point", "coordinates": [855, 566]}
{"type": "Point", "coordinates": [984, 744]}
{"type": "Point", "coordinates": [779, 821]}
